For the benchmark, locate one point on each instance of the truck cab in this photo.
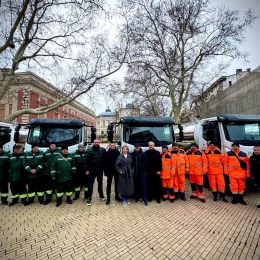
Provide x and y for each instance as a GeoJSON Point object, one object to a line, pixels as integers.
{"type": "Point", "coordinates": [9, 135]}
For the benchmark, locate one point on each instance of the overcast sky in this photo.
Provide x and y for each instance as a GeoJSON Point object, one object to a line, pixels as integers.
{"type": "Point", "coordinates": [251, 44]}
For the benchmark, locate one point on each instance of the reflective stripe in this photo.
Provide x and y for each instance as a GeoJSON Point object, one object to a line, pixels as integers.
{"type": "Point", "coordinates": [77, 189]}
{"type": "Point", "coordinates": [201, 196]}
{"type": "Point", "coordinates": [40, 193]}
{"type": "Point", "coordinates": [31, 194]}
{"type": "Point", "coordinates": [15, 196]}
{"type": "Point", "coordinates": [49, 192]}
{"type": "Point", "coordinates": [27, 167]}
{"type": "Point", "coordinates": [85, 189]}
{"type": "Point", "coordinates": [53, 171]}
{"type": "Point", "coordinates": [59, 194]}
{"type": "Point", "coordinates": [74, 168]}
{"type": "Point", "coordinates": [22, 196]}
{"type": "Point", "coordinates": [4, 194]}
{"type": "Point", "coordinates": [69, 193]}
{"type": "Point", "coordinates": [40, 166]}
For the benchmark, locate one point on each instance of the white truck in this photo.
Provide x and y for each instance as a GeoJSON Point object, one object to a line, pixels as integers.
{"type": "Point", "coordinates": [228, 128]}
{"type": "Point", "coordinates": [64, 132]}
{"type": "Point", "coordinates": [142, 129]}
{"type": "Point", "coordinates": [9, 135]}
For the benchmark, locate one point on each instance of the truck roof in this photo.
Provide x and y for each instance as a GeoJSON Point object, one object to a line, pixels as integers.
{"type": "Point", "coordinates": [238, 117]}
{"type": "Point", "coordinates": [51, 121]}
{"type": "Point", "coordinates": [146, 120]}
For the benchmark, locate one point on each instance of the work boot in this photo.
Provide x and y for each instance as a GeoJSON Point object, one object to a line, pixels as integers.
{"type": "Point", "coordinates": [222, 196]}
{"type": "Point", "coordinates": [4, 200]}
{"type": "Point", "coordinates": [158, 200]}
{"type": "Point", "coordinates": [241, 199]}
{"type": "Point", "coordinates": [203, 200]}
{"type": "Point", "coordinates": [193, 197]}
{"type": "Point", "coordinates": [76, 195]}
{"type": "Point", "coordinates": [258, 206]}
{"type": "Point", "coordinates": [182, 196]}
{"type": "Point", "coordinates": [24, 201]}
{"type": "Point", "coordinates": [215, 195]}
{"type": "Point", "coordinates": [235, 199]}
{"type": "Point", "coordinates": [59, 201]}
{"type": "Point", "coordinates": [118, 198]}
{"type": "Point", "coordinates": [171, 200]}
{"type": "Point", "coordinates": [145, 202]}
{"type": "Point", "coordinates": [164, 199]}
{"type": "Point", "coordinates": [30, 201]}
{"type": "Point", "coordinates": [108, 201]}
{"type": "Point", "coordinates": [41, 200]}
{"type": "Point", "coordinates": [13, 202]}
{"type": "Point", "coordinates": [177, 195]}
{"type": "Point", "coordinates": [69, 201]}
{"type": "Point", "coordinates": [48, 199]}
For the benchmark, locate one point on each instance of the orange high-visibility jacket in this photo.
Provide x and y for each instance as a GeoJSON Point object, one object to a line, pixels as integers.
{"type": "Point", "coordinates": [197, 162]}
{"type": "Point", "coordinates": [215, 161]}
{"type": "Point", "coordinates": [168, 166]}
{"type": "Point", "coordinates": [182, 162]}
{"type": "Point", "coordinates": [232, 166]}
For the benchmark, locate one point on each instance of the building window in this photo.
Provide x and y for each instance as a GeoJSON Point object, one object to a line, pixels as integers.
{"type": "Point", "coordinates": [104, 123]}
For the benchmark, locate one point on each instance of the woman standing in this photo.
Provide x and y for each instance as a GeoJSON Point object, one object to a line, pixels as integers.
{"type": "Point", "coordinates": [124, 166]}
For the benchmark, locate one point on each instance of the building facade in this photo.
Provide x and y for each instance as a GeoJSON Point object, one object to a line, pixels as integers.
{"type": "Point", "coordinates": [30, 91]}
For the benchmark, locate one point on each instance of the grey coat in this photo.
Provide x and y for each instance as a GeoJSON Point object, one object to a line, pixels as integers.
{"type": "Point", "coordinates": [124, 167]}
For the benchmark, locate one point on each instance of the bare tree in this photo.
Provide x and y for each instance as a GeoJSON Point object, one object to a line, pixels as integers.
{"type": "Point", "coordinates": [176, 39]}
{"type": "Point", "coordinates": [59, 36]}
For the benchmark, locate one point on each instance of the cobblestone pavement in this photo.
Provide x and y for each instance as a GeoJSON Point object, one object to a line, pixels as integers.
{"type": "Point", "coordinates": [182, 230]}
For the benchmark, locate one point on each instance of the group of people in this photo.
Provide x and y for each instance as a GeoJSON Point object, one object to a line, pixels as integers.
{"type": "Point", "coordinates": [145, 175]}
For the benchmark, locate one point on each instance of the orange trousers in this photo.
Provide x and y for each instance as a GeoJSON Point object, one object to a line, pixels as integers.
{"type": "Point", "coordinates": [179, 182]}
{"type": "Point", "coordinates": [196, 182]}
{"type": "Point", "coordinates": [167, 188]}
{"type": "Point", "coordinates": [237, 186]}
{"type": "Point", "coordinates": [216, 182]}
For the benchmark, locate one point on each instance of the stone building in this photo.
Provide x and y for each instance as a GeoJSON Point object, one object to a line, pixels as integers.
{"type": "Point", "coordinates": [30, 91]}
{"type": "Point", "coordinates": [234, 94]}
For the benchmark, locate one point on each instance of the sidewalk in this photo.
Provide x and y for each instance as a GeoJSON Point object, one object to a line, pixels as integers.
{"type": "Point", "coordinates": [182, 230]}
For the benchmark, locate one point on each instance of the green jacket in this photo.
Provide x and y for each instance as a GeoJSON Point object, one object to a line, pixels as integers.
{"type": "Point", "coordinates": [33, 161]}
{"type": "Point", "coordinates": [4, 165]}
{"type": "Point", "coordinates": [79, 161]}
{"type": "Point", "coordinates": [49, 155]}
{"type": "Point", "coordinates": [16, 170]}
{"type": "Point", "coordinates": [62, 167]}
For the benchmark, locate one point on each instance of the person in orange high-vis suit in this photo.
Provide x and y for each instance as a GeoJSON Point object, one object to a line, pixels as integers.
{"type": "Point", "coordinates": [237, 175]}
{"type": "Point", "coordinates": [215, 172]}
{"type": "Point", "coordinates": [181, 169]}
{"type": "Point", "coordinates": [198, 166]}
{"type": "Point", "coordinates": [167, 173]}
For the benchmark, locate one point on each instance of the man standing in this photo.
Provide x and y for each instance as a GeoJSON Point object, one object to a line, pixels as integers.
{"type": "Point", "coordinates": [110, 171]}
{"type": "Point", "coordinates": [62, 168]}
{"type": "Point", "coordinates": [215, 172]}
{"type": "Point", "coordinates": [140, 163]}
{"type": "Point", "coordinates": [94, 166]}
{"type": "Point", "coordinates": [198, 166]}
{"type": "Point", "coordinates": [181, 169]}
{"type": "Point", "coordinates": [236, 166]}
{"type": "Point", "coordinates": [49, 183]}
{"type": "Point", "coordinates": [33, 165]}
{"type": "Point", "coordinates": [80, 178]}
{"type": "Point", "coordinates": [153, 170]}
{"type": "Point", "coordinates": [4, 165]}
{"type": "Point", "coordinates": [16, 176]}
{"type": "Point", "coordinates": [167, 174]}
{"type": "Point", "coordinates": [254, 161]}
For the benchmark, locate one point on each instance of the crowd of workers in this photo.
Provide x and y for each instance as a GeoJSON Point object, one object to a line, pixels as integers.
{"type": "Point", "coordinates": [145, 175]}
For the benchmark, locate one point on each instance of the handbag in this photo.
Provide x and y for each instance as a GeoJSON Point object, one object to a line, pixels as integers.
{"type": "Point", "coordinates": [242, 163]}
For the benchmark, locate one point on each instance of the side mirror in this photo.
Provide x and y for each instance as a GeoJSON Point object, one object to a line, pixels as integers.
{"type": "Point", "coordinates": [93, 135]}
{"type": "Point", "coordinates": [16, 137]}
{"type": "Point", "coordinates": [110, 127]}
{"type": "Point", "coordinates": [181, 136]}
{"type": "Point", "coordinates": [110, 135]}
{"type": "Point", "coordinates": [17, 128]}
{"type": "Point", "coordinates": [180, 127]}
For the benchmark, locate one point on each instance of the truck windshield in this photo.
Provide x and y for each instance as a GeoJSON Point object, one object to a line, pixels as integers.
{"type": "Point", "coordinates": [160, 135]}
{"type": "Point", "coordinates": [243, 132]}
{"type": "Point", "coordinates": [44, 135]}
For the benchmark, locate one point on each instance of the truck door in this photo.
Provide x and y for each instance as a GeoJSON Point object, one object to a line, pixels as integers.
{"type": "Point", "coordinates": [210, 132]}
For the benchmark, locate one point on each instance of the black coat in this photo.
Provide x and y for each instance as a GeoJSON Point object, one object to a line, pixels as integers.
{"type": "Point", "coordinates": [255, 167]}
{"type": "Point", "coordinates": [154, 161]}
{"type": "Point", "coordinates": [110, 160]}
{"type": "Point", "coordinates": [94, 159]}
{"type": "Point", "coordinates": [124, 167]}
{"type": "Point", "coordinates": [139, 161]}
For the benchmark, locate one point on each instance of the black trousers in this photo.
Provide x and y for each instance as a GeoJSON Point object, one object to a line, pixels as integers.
{"type": "Point", "coordinates": [4, 189]}
{"type": "Point", "coordinates": [49, 184]}
{"type": "Point", "coordinates": [110, 176]}
{"type": "Point", "coordinates": [154, 189]}
{"type": "Point", "coordinates": [18, 189]}
{"type": "Point", "coordinates": [35, 185]}
{"type": "Point", "coordinates": [92, 176]}
{"type": "Point", "coordinates": [65, 186]}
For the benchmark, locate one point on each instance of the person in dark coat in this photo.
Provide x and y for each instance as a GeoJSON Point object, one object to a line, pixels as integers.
{"type": "Point", "coordinates": [110, 170]}
{"type": "Point", "coordinates": [124, 166]}
{"type": "Point", "coordinates": [254, 161]}
{"type": "Point", "coordinates": [140, 162]}
{"type": "Point", "coordinates": [94, 166]}
{"type": "Point", "coordinates": [153, 170]}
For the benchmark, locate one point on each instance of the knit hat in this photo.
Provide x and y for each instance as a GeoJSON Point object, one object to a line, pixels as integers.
{"type": "Point", "coordinates": [80, 146]}
{"type": "Point", "coordinates": [34, 145]}
{"type": "Point", "coordinates": [194, 144]}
